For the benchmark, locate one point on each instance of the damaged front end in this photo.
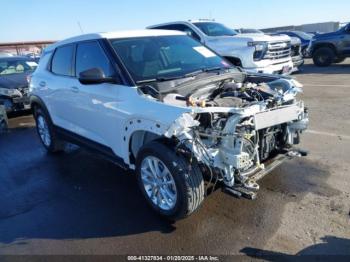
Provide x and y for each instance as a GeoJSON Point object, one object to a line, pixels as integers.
{"type": "Point", "coordinates": [239, 132]}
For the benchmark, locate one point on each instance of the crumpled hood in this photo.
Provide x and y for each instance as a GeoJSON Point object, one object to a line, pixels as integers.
{"type": "Point", "coordinates": [14, 81]}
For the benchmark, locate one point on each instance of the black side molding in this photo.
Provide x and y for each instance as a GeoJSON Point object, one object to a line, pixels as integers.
{"type": "Point", "coordinates": [90, 145]}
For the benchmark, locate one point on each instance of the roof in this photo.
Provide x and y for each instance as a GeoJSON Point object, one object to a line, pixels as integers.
{"type": "Point", "coordinates": [114, 35]}
{"type": "Point", "coordinates": [202, 21]}
{"type": "Point", "coordinates": [183, 22]}
{"type": "Point", "coordinates": [167, 23]}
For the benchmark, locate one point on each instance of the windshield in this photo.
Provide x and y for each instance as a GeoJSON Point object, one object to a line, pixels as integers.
{"type": "Point", "coordinates": [12, 66]}
{"type": "Point", "coordinates": [148, 58]}
{"type": "Point", "coordinates": [215, 29]}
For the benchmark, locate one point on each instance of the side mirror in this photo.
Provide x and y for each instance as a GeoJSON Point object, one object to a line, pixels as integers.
{"type": "Point", "coordinates": [94, 76]}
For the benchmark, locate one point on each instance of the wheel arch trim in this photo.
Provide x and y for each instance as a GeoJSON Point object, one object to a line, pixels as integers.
{"type": "Point", "coordinates": [36, 100]}
{"type": "Point", "coordinates": [139, 125]}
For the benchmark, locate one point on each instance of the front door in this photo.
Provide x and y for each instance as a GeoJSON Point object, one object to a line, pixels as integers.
{"type": "Point", "coordinates": [95, 109]}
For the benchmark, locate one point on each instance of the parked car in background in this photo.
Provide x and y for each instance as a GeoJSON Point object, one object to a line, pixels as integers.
{"type": "Point", "coordinates": [33, 56]}
{"type": "Point", "coordinates": [14, 74]}
{"type": "Point", "coordinates": [249, 31]}
{"type": "Point", "coordinates": [3, 119]}
{"type": "Point", "coordinates": [304, 38]}
{"type": "Point", "coordinates": [253, 52]}
{"type": "Point", "coordinates": [5, 54]}
{"type": "Point", "coordinates": [329, 48]}
{"type": "Point", "coordinates": [162, 104]}
{"type": "Point", "coordinates": [296, 53]}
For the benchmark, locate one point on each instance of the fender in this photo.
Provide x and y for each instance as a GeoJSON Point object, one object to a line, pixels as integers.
{"type": "Point", "coordinates": [36, 100]}
{"type": "Point", "coordinates": [133, 125]}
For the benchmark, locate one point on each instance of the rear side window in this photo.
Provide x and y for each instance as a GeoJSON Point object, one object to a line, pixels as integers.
{"type": "Point", "coordinates": [62, 61]}
{"type": "Point", "coordinates": [91, 55]}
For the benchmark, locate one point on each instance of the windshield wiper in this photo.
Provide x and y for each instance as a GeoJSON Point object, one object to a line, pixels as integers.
{"type": "Point", "coordinates": [192, 74]}
{"type": "Point", "coordinates": [160, 79]}
{"type": "Point", "coordinates": [211, 69]}
{"type": "Point", "coordinates": [205, 70]}
{"type": "Point", "coordinates": [146, 81]}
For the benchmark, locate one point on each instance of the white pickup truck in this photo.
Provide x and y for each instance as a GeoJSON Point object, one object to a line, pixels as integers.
{"type": "Point", "coordinates": [257, 53]}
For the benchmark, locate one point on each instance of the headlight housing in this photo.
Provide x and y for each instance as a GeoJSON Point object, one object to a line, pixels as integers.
{"type": "Point", "coordinates": [260, 49]}
{"type": "Point", "coordinates": [9, 92]}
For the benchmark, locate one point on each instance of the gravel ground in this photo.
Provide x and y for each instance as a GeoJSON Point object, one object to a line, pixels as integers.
{"type": "Point", "coordinates": [77, 203]}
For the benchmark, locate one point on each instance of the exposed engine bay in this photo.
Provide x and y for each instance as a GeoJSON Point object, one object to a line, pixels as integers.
{"type": "Point", "coordinates": [237, 125]}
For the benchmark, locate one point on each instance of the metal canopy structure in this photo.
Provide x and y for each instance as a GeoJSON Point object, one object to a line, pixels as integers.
{"type": "Point", "coordinates": [20, 48]}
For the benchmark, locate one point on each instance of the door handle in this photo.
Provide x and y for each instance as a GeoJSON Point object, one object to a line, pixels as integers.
{"type": "Point", "coordinates": [42, 84]}
{"type": "Point", "coordinates": [74, 89]}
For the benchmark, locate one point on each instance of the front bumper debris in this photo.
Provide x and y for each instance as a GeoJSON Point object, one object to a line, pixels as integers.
{"type": "Point", "coordinates": [249, 188]}
{"type": "Point", "coordinates": [15, 103]}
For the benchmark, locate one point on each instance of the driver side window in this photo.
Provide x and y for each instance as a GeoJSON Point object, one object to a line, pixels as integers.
{"type": "Point", "coordinates": [91, 55]}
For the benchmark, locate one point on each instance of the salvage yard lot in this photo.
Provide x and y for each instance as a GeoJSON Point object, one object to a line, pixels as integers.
{"type": "Point", "coordinates": [77, 203]}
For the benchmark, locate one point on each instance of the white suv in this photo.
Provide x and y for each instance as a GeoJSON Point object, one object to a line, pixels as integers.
{"type": "Point", "coordinates": [160, 103]}
{"type": "Point", "coordinates": [257, 53]}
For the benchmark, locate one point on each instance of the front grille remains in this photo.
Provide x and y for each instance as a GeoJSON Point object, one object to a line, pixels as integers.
{"type": "Point", "coordinates": [278, 50]}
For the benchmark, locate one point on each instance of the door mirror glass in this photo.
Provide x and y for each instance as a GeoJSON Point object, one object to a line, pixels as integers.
{"type": "Point", "coordinates": [94, 76]}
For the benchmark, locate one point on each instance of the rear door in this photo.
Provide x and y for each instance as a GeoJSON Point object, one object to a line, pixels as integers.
{"type": "Point", "coordinates": [58, 85]}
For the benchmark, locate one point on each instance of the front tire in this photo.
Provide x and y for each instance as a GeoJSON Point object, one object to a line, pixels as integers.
{"type": "Point", "coordinates": [172, 186]}
{"type": "Point", "coordinates": [323, 56]}
{"type": "Point", "coordinates": [46, 132]}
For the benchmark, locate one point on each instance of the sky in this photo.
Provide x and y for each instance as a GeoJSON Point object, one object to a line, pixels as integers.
{"type": "Point", "coordinates": [26, 20]}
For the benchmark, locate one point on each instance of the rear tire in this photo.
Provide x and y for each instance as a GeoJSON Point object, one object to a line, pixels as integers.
{"type": "Point", "coordinates": [47, 133]}
{"type": "Point", "coordinates": [323, 56]}
{"type": "Point", "coordinates": [186, 191]}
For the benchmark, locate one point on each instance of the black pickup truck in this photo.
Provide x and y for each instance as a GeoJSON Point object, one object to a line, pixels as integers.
{"type": "Point", "coordinates": [329, 48]}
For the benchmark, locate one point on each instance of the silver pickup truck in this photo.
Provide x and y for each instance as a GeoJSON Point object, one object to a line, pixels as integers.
{"type": "Point", "coordinates": [256, 53]}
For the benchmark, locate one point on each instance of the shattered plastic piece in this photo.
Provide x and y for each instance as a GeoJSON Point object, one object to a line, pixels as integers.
{"type": "Point", "coordinates": [181, 125]}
